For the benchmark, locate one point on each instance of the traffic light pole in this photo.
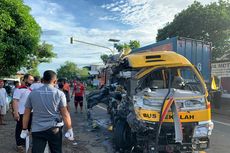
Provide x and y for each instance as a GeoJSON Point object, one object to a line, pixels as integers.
{"type": "Point", "coordinates": [92, 44]}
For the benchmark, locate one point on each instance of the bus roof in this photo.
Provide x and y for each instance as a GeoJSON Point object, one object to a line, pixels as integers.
{"type": "Point", "coordinates": [156, 58]}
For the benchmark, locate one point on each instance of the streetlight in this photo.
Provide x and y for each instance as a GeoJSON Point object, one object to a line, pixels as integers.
{"type": "Point", "coordinates": [114, 40]}
{"type": "Point", "coordinates": [88, 43]}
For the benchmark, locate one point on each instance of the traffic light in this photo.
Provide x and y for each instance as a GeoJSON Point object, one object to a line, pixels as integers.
{"type": "Point", "coordinates": [71, 40]}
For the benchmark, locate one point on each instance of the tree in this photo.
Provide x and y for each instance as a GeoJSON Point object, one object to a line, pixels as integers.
{"type": "Point", "coordinates": [34, 72]}
{"type": "Point", "coordinates": [104, 58]}
{"type": "Point", "coordinates": [70, 71]}
{"type": "Point", "coordinates": [83, 73]}
{"type": "Point", "coordinates": [44, 53]}
{"type": "Point", "coordinates": [133, 44]}
{"type": "Point", "coordinates": [209, 23]}
{"type": "Point", "coordinates": [19, 37]}
{"type": "Point", "coordinates": [120, 47]}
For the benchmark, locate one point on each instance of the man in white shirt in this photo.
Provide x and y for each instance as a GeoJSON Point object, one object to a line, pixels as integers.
{"type": "Point", "coordinates": [19, 99]}
{"type": "Point", "coordinates": [3, 100]}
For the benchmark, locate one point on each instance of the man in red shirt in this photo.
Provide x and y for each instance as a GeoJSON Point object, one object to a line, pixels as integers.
{"type": "Point", "coordinates": [78, 92]}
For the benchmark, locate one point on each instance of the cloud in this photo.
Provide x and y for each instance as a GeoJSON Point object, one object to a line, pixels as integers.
{"type": "Point", "coordinates": [111, 5]}
{"type": "Point", "coordinates": [115, 9]}
{"type": "Point", "coordinates": [57, 26]}
{"type": "Point", "coordinates": [136, 20]}
{"type": "Point", "coordinates": [108, 18]}
{"type": "Point", "coordinates": [150, 14]}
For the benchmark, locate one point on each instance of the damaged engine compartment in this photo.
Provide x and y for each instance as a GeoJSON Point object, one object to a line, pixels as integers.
{"type": "Point", "coordinates": [158, 108]}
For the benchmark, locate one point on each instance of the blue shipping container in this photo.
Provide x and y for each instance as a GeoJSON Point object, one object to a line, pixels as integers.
{"type": "Point", "coordinates": [196, 51]}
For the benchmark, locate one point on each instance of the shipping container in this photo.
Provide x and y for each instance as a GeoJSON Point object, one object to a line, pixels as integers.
{"type": "Point", "coordinates": [196, 51]}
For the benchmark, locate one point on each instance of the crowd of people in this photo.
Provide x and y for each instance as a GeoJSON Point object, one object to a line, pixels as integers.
{"type": "Point", "coordinates": [41, 107]}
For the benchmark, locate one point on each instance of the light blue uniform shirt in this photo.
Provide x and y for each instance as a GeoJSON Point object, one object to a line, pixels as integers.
{"type": "Point", "coordinates": [45, 102]}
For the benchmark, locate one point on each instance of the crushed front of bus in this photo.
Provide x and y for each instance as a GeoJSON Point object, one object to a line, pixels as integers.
{"type": "Point", "coordinates": [184, 85]}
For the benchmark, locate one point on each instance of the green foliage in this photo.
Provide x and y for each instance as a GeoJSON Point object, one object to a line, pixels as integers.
{"type": "Point", "coordinates": [44, 53]}
{"type": "Point", "coordinates": [19, 35]}
{"type": "Point", "coordinates": [119, 47]}
{"type": "Point", "coordinates": [83, 73]}
{"type": "Point", "coordinates": [133, 44]}
{"type": "Point", "coordinates": [104, 58]}
{"type": "Point", "coordinates": [209, 23]}
{"type": "Point", "coordinates": [34, 72]}
{"type": "Point", "coordinates": [70, 71]}
{"type": "Point", "coordinates": [19, 38]}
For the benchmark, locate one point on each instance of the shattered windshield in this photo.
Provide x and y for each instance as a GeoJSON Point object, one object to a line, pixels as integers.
{"type": "Point", "coordinates": [182, 78]}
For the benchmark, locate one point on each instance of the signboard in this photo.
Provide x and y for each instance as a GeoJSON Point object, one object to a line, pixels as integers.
{"type": "Point", "coordinates": [221, 69]}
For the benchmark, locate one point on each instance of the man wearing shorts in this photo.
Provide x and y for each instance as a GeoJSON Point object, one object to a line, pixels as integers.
{"type": "Point", "coordinates": [78, 92]}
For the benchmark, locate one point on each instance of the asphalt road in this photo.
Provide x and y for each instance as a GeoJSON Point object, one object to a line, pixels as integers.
{"type": "Point", "coordinates": [220, 139]}
{"type": "Point", "coordinates": [99, 140]}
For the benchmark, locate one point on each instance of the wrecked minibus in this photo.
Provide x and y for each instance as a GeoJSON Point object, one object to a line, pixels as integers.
{"type": "Point", "coordinates": [166, 107]}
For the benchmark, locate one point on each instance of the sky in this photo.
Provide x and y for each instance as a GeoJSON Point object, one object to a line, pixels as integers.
{"type": "Point", "coordinates": [97, 21]}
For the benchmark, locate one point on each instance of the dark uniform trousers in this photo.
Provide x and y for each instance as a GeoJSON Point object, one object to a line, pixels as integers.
{"type": "Point", "coordinates": [18, 130]}
{"type": "Point", "coordinates": [54, 138]}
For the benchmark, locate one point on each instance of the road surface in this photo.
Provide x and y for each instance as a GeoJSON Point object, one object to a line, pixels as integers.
{"type": "Point", "coordinates": [99, 140]}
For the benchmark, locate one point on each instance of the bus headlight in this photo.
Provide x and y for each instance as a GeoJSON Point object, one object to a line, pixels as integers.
{"type": "Point", "coordinates": [204, 129]}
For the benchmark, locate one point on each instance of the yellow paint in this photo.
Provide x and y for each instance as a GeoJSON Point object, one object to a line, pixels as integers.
{"type": "Point", "coordinates": [189, 116]}
{"type": "Point", "coordinates": [147, 70]}
{"type": "Point", "coordinates": [138, 60]}
{"type": "Point", "coordinates": [213, 85]}
{"type": "Point", "coordinates": [176, 98]}
{"type": "Point", "coordinates": [166, 59]}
